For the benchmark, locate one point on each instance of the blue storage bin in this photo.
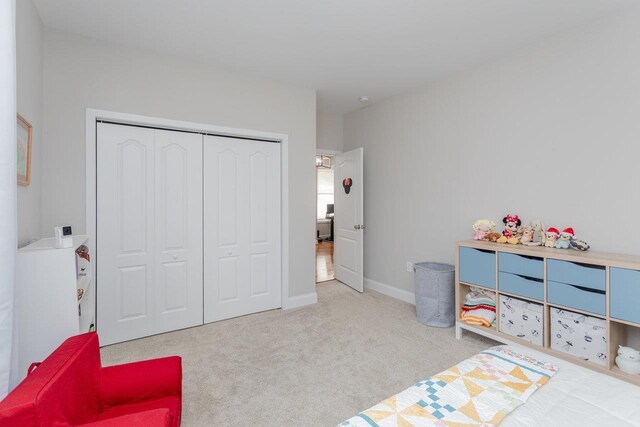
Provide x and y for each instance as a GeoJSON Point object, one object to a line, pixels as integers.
{"type": "Point", "coordinates": [589, 276]}
{"type": "Point", "coordinates": [478, 267]}
{"type": "Point", "coordinates": [624, 294]}
{"type": "Point", "coordinates": [521, 264]}
{"type": "Point", "coordinates": [573, 296]}
{"type": "Point", "coordinates": [521, 285]}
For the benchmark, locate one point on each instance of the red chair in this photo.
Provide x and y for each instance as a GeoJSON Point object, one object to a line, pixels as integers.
{"type": "Point", "coordinates": [71, 388]}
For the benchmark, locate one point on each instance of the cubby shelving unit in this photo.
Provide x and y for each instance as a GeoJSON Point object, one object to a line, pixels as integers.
{"type": "Point", "coordinates": [600, 285]}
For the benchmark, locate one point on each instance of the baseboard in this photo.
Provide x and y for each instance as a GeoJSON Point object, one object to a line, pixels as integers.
{"type": "Point", "coordinates": [301, 301]}
{"type": "Point", "coordinates": [391, 291]}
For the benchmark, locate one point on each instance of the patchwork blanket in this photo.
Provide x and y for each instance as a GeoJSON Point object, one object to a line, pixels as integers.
{"type": "Point", "coordinates": [479, 391]}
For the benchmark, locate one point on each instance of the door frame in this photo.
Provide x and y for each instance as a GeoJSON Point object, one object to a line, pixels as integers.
{"type": "Point", "coordinates": [95, 115]}
{"type": "Point", "coordinates": [326, 152]}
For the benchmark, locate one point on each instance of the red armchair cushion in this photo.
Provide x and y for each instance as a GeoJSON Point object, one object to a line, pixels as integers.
{"type": "Point", "coordinates": [71, 388]}
{"type": "Point", "coordinates": [156, 417]}
{"type": "Point", "coordinates": [140, 381]}
{"type": "Point", "coordinates": [171, 403]}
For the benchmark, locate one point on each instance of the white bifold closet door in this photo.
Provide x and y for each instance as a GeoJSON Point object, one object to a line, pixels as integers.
{"type": "Point", "coordinates": [149, 231]}
{"type": "Point", "coordinates": [242, 237]}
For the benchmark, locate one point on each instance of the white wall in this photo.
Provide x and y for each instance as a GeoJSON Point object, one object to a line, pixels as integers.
{"type": "Point", "coordinates": [29, 103]}
{"type": "Point", "coordinates": [329, 131]}
{"type": "Point", "coordinates": [551, 131]}
{"type": "Point", "coordinates": [8, 202]}
{"type": "Point", "coordinates": [80, 73]}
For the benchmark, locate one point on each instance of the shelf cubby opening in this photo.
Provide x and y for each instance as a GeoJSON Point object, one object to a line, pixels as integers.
{"type": "Point", "coordinates": [622, 334]}
{"type": "Point", "coordinates": [464, 290]}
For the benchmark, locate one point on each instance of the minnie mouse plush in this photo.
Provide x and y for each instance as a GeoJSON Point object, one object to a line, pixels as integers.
{"type": "Point", "coordinates": [511, 233]}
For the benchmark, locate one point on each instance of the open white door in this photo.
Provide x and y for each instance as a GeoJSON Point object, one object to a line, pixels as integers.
{"type": "Point", "coordinates": [349, 219]}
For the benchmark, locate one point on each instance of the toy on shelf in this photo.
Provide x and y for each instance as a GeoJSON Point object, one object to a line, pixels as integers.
{"type": "Point", "coordinates": [537, 234]}
{"type": "Point", "coordinates": [628, 360]}
{"type": "Point", "coordinates": [551, 236]}
{"type": "Point", "coordinates": [565, 238]}
{"type": "Point", "coordinates": [579, 245]}
{"type": "Point", "coordinates": [527, 235]}
{"type": "Point", "coordinates": [493, 237]}
{"type": "Point", "coordinates": [482, 228]}
{"type": "Point", "coordinates": [511, 233]}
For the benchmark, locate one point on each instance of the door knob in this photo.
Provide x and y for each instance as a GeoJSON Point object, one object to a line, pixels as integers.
{"type": "Point", "coordinates": [175, 257]}
{"type": "Point", "coordinates": [357, 227]}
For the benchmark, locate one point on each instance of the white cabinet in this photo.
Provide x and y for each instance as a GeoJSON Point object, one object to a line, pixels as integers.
{"type": "Point", "coordinates": [48, 307]}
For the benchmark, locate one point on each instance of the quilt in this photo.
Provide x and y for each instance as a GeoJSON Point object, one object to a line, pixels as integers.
{"type": "Point", "coordinates": [479, 391]}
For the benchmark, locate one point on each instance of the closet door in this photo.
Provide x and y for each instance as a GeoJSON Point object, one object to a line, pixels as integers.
{"type": "Point", "coordinates": [149, 231]}
{"type": "Point", "coordinates": [125, 263]}
{"type": "Point", "coordinates": [242, 238]}
{"type": "Point", "coordinates": [178, 230]}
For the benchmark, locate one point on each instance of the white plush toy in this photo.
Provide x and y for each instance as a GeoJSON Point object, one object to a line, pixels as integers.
{"type": "Point", "coordinates": [482, 228]}
{"type": "Point", "coordinates": [628, 360]}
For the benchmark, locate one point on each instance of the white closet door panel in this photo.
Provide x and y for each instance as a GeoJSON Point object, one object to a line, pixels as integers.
{"type": "Point", "coordinates": [264, 224]}
{"type": "Point", "coordinates": [241, 227]}
{"type": "Point", "coordinates": [226, 172]}
{"type": "Point", "coordinates": [178, 211]}
{"type": "Point", "coordinates": [125, 232]}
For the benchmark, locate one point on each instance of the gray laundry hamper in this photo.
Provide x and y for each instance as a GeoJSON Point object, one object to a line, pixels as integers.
{"type": "Point", "coordinates": [435, 294]}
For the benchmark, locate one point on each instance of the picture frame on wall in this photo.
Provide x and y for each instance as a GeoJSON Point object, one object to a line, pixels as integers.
{"type": "Point", "coordinates": [23, 147]}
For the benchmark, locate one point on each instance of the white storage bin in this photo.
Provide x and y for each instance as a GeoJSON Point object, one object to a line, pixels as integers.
{"type": "Point", "coordinates": [579, 335]}
{"type": "Point", "coordinates": [522, 319]}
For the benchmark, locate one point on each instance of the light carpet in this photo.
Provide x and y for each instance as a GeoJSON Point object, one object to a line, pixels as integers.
{"type": "Point", "coordinates": [313, 366]}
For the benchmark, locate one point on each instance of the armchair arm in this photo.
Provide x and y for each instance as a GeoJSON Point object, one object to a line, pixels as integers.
{"type": "Point", "coordinates": [140, 381]}
{"type": "Point", "coordinates": [152, 418]}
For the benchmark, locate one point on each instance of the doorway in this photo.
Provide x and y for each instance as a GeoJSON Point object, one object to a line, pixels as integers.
{"type": "Point", "coordinates": [325, 166]}
{"type": "Point", "coordinates": [339, 217]}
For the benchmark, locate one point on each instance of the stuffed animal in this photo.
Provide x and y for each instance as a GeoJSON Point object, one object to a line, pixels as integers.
{"type": "Point", "coordinates": [579, 245]}
{"type": "Point", "coordinates": [628, 360]}
{"type": "Point", "coordinates": [511, 233]}
{"type": "Point", "coordinates": [482, 228]}
{"type": "Point", "coordinates": [538, 237]}
{"type": "Point", "coordinates": [564, 241]}
{"type": "Point", "coordinates": [551, 237]}
{"type": "Point", "coordinates": [493, 237]}
{"type": "Point", "coordinates": [527, 235]}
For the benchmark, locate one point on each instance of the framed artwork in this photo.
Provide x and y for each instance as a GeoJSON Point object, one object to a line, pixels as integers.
{"type": "Point", "coordinates": [25, 131]}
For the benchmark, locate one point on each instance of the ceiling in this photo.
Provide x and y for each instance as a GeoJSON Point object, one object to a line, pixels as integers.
{"type": "Point", "coordinates": [341, 48]}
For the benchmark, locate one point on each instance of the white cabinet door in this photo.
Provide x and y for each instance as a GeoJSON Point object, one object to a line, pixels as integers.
{"type": "Point", "coordinates": [178, 225]}
{"type": "Point", "coordinates": [125, 232]}
{"type": "Point", "coordinates": [149, 231]}
{"type": "Point", "coordinates": [242, 239]}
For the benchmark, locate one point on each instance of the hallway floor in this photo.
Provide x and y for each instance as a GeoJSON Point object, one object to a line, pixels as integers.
{"type": "Point", "coordinates": [324, 262]}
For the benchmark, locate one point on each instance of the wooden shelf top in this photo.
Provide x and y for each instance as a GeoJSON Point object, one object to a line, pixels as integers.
{"type": "Point", "coordinates": [586, 257]}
